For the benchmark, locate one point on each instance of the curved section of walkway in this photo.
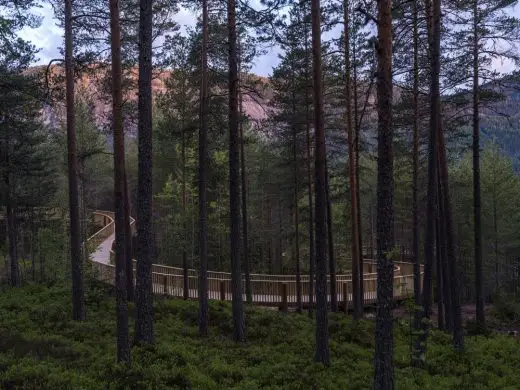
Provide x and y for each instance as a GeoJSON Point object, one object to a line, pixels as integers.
{"type": "Point", "coordinates": [268, 290]}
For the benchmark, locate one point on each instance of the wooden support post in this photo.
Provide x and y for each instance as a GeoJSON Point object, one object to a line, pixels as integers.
{"type": "Point", "coordinates": [222, 290]}
{"type": "Point", "coordinates": [345, 297]}
{"type": "Point", "coordinates": [165, 284]}
{"type": "Point", "coordinates": [284, 298]}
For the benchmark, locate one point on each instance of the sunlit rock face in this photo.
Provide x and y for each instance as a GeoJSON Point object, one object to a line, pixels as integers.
{"type": "Point", "coordinates": [93, 86]}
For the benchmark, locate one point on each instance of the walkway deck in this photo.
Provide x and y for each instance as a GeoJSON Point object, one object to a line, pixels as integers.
{"type": "Point", "coordinates": [268, 290]}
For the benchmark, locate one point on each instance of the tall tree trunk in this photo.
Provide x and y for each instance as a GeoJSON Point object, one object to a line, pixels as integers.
{"type": "Point", "coordinates": [322, 320]}
{"type": "Point", "coordinates": [448, 315]}
{"type": "Point", "coordinates": [356, 278]}
{"type": "Point", "coordinates": [296, 184]}
{"type": "Point", "coordinates": [458, 335]}
{"type": "Point", "coordinates": [415, 164]}
{"type": "Point", "coordinates": [245, 243]}
{"type": "Point", "coordinates": [123, 342]}
{"type": "Point", "coordinates": [14, 275]}
{"type": "Point", "coordinates": [433, 21]}
{"type": "Point", "coordinates": [312, 252]}
{"type": "Point", "coordinates": [297, 249]}
{"type": "Point", "coordinates": [234, 172]}
{"type": "Point", "coordinates": [312, 258]}
{"type": "Point", "coordinates": [203, 166]}
{"type": "Point", "coordinates": [330, 242]}
{"type": "Point", "coordinates": [385, 203]}
{"type": "Point", "coordinates": [130, 291]}
{"type": "Point", "coordinates": [144, 323]}
{"type": "Point", "coordinates": [438, 270]}
{"type": "Point", "coordinates": [186, 280]}
{"type": "Point", "coordinates": [78, 298]}
{"type": "Point", "coordinates": [357, 125]}
{"type": "Point", "coordinates": [481, 322]}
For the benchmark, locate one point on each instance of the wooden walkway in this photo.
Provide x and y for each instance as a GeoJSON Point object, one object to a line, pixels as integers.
{"type": "Point", "coordinates": [268, 290]}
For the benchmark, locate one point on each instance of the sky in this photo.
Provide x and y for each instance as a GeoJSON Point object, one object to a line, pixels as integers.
{"type": "Point", "coordinates": [48, 37]}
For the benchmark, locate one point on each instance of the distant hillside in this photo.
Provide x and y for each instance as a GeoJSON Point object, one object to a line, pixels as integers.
{"type": "Point", "coordinates": [501, 122]}
{"type": "Point", "coordinates": [95, 85]}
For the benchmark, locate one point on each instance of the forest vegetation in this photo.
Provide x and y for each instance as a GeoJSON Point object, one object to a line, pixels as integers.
{"type": "Point", "coordinates": [147, 171]}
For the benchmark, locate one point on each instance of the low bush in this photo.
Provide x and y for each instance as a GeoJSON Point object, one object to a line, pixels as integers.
{"type": "Point", "coordinates": [41, 348]}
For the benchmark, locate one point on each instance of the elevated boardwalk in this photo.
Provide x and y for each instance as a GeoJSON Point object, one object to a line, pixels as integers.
{"type": "Point", "coordinates": [267, 290]}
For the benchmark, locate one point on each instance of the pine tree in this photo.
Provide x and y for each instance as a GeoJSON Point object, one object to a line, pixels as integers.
{"type": "Point", "coordinates": [385, 201]}
{"type": "Point", "coordinates": [78, 299]}
{"type": "Point", "coordinates": [123, 343]}
{"type": "Point", "coordinates": [203, 164]}
{"type": "Point", "coordinates": [322, 333]}
{"type": "Point", "coordinates": [234, 171]}
{"type": "Point", "coordinates": [144, 324]}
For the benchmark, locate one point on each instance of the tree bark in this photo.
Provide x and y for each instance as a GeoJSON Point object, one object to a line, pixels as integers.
{"type": "Point", "coordinates": [245, 243]}
{"type": "Point", "coordinates": [186, 280]}
{"type": "Point", "coordinates": [296, 209]}
{"type": "Point", "coordinates": [458, 335]}
{"type": "Point", "coordinates": [203, 165]}
{"type": "Point", "coordinates": [383, 378]}
{"type": "Point", "coordinates": [415, 164]}
{"type": "Point", "coordinates": [128, 244]}
{"type": "Point", "coordinates": [330, 242]}
{"type": "Point", "coordinates": [12, 233]}
{"type": "Point", "coordinates": [123, 342]}
{"type": "Point", "coordinates": [144, 324]}
{"type": "Point", "coordinates": [356, 278]}
{"type": "Point", "coordinates": [438, 271]}
{"type": "Point", "coordinates": [234, 172]}
{"type": "Point", "coordinates": [479, 304]}
{"type": "Point", "coordinates": [448, 315]}
{"type": "Point", "coordinates": [433, 21]}
{"type": "Point", "coordinates": [78, 298]}
{"type": "Point", "coordinates": [312, 252]}
{"type": "Point", "coordinates": [322, 332]}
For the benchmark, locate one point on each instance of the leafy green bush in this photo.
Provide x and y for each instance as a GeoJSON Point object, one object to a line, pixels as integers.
{"type": "Point", "coordinates": [41, 348]}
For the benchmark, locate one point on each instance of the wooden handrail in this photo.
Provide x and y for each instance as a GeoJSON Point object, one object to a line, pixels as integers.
{"type": "Point", "coordinates": [266, 288]}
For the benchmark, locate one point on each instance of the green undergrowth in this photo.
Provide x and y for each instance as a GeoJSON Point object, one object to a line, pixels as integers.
{"type": "Point", "coordinates": [41, 348]}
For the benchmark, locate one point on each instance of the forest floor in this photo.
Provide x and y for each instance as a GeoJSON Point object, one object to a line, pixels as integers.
{"type": "Point", "coordinates": [41, 348]}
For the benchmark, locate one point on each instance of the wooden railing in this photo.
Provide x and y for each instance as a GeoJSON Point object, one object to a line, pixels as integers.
{"type": "Point", "coordinates": [267, 290]}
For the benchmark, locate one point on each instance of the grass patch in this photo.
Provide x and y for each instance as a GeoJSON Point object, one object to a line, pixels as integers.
{"type": "Point", "coordinates": [41, 348]}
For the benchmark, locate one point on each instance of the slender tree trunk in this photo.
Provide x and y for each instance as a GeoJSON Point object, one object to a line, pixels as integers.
{"type": "Point", "coordinates": [330, 241]}
{"type": "Point", "coordinates": [13, 241]}
{"type": "Point", "coordinates": [433, 20]}
{"type": "Point", "coordinates": [458, 335]}
{"type": "Point", "coordinates": [415, 164]}
{"type": "Point", "coordinates": [383, 379]}
{"type": "Point", "coordinates": [481, 322]}
{"type": "Point", "coordinates": [234, 172]}
{"type": "Point", "coordinates": [186, 280]}
{"type": "Point", "coordinates": [123, 342]}
{"type": "Point", "coordinates": [144, 323]}
{"type": "Point", "coordinates": [78, 299]}
{"type": "Point", "coordinates": [297, 252]}
{"type": "Point", "coordinates": [312, 252]}
{"type": "Point", "coordinates": [357, 125]}
{"type": "Point", "coordinates": [356, 278]}
{"type": "Point", "coordinates": [438, 270]}
{"type": "Point", "coordinates": [33, 246]}
{"type": "Point", "coordinates": [495, 232]}
{"type": "Point", "coordinates": [296, 185]}
{"type": "Point", "coordinates": [322, 321]}
{"type": "Point", "coordinates": [246, 260]}
{"type": "Point", "coordinates": [128, 245]}
{"type": "Point", "coordinates": [203, 167]}
{"type": "Point", "coordinates": [448, 317]}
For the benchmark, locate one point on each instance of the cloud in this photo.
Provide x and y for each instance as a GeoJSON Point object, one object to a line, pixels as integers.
{"type": "Point", "coordinates": [47, 37]}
